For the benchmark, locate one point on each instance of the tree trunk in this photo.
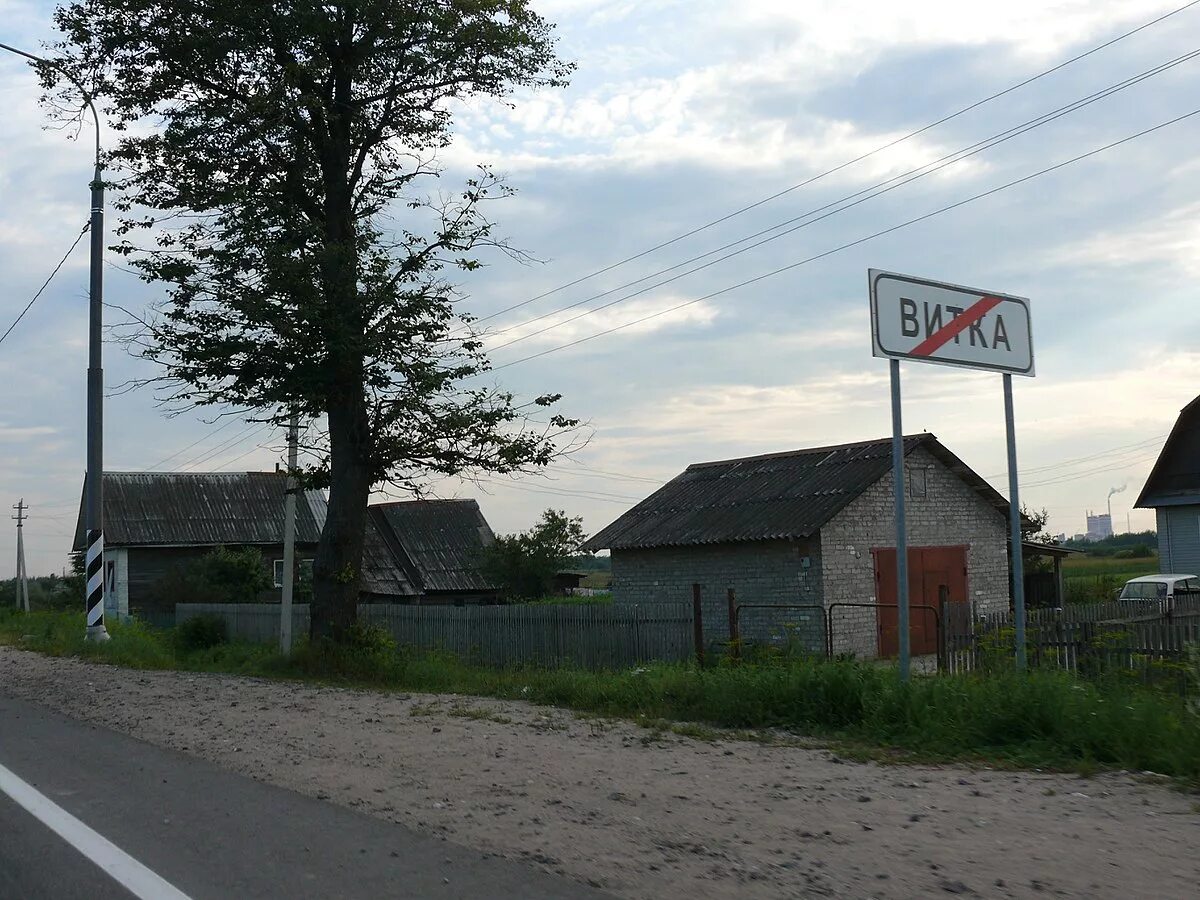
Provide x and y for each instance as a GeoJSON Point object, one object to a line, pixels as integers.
{"type": "Point", "coordinates": [338, 564]}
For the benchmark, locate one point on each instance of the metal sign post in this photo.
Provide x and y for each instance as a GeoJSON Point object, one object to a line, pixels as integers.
{"type": "Point", "coordinates": [950, 325]}
{"type": "Point", "coordinates": [901, 531]}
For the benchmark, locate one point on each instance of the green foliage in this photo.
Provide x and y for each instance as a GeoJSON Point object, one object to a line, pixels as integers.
{"type": "Point", "coordinates": [1041, 718]}
{"type": "Point", "coordinates": [222, 575]}
{"type": "Point", "coordinates": [1096, 579]}
{"type": "Point", "coordinates": [523, 565]}
{"type": "Point", "coordinates": [1137, 551]}
{"type": "Point", "coordinates": [200, 633]}
{"type": "Point", "coordinates": [1108, 546]}
{"type": "Point", "coordinates": [46, 592]}
{"type": "Point", "coordinates": [274, 172]}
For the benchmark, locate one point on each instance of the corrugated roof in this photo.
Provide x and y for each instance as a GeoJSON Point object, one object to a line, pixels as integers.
{"type": "Point", "coordinates": [1175, 478]}
{"type": "Point", "coordinates": [439, 541]}
{"type": "Point", "coordinates": [202, 508]}
{"type": "Point", "coordinates": [777, 496]}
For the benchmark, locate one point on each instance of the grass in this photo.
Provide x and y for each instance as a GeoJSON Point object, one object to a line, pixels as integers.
{"type": "Point", "coordinates": [1089, 579]}
{"type": "Point", "coordinates": [1040, 719]}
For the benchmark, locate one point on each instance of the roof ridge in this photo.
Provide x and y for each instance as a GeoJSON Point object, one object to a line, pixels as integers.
{"type": "Point", "coordinates": [920, 437]}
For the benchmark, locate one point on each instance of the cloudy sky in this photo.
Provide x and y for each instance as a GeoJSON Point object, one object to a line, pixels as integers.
{"type": "Point", "coordinates": [682, 112]}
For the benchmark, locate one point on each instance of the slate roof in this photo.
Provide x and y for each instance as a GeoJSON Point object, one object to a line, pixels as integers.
{"type": "Point", "coordinates": [201, 509]}
{"type": "Point", "coordinates": [439, 542]}
{"type": "Point", "coordinates": [1175, 478]}
{"type": "Point", "coordinates": [777, 496]}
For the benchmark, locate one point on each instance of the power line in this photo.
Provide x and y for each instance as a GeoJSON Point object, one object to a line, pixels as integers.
{"type": "Point", "coordinates": [841, 166]}
{"type": "Point", "coordinates": [1066, 463]}
{"type": "Point", "coordinates": [1076, 476]}
{"type": "Point", "coordinates": [869, 193]}
{"type": "Point", "coordinates": [854, 243]}
{"type": "Point", "coordinates": [46, 283]}
{"type": "Point", "coordinates": [200, 440]}
{"type": "Point", "coordinates": [251, 432]}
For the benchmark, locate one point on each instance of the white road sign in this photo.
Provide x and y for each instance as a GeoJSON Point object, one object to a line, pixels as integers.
{"type": "Point", "coordinates": [928, 321]}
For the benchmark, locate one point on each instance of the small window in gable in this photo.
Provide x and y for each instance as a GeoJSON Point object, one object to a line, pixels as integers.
{"type": "Point", "coordinates": [917, 482]}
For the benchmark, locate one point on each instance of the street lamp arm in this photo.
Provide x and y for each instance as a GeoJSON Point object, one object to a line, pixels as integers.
{"type": "Point", "coordinates": [87, 95]}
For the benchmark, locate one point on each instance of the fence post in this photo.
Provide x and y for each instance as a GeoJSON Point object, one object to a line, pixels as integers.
{"type": "Point", "coordinates": [698, 625]}
{"type": "Point", "coordinates": [735, 640]}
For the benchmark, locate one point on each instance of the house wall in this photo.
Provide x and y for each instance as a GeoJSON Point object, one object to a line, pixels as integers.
{"type": "Point", "coordinates": [1179, 539]}
{"type": "Point", "coordinates": [147, 566]}
{"type": "Point", "coordinates": [760, 572]}
{"type": "Point", "coordinates": [950, 514]}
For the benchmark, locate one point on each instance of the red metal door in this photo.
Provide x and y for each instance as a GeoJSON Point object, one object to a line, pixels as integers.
{"type": "Point", "coordinates": [934, 573]}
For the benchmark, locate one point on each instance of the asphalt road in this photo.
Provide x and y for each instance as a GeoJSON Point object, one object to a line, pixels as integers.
{"type": "Point", "coordinates": [213, 834]}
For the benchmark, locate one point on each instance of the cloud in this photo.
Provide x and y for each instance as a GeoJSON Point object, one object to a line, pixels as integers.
{"type": "Point", "coordinates": [11, 433]}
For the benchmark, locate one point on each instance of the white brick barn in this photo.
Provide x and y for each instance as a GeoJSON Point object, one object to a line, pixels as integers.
{"type": "Point", "coordinates": [815, 527]}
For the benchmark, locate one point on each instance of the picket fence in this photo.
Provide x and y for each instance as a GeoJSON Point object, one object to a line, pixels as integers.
{"type": "Point", "coordinates": [589, 636]}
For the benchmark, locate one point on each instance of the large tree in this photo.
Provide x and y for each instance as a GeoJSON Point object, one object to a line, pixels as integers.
{"type": "Point", "coordinates": [274, 173]}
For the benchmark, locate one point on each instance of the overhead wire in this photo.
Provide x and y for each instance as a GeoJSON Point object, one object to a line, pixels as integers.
{"type": "Point", "coordinates": [183, 450]}
{"type": "Point", "coordinates": [831, 209]}
{"type": "Point", "coordinates": [811, 180]}
{"type": "Point", "coordinates": [46, 283]}
{"type": "Point", "coordinates": [854, 243]}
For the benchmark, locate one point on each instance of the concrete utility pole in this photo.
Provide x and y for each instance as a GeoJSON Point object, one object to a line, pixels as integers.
{"type": "Point", "coordinates": [93, 482]}
{"type": "Point", "coordinates": [22, 580]}
{"type": "Point", "coordinates": [289, 538]}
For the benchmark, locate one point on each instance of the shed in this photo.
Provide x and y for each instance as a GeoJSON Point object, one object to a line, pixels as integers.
{"type": "Point", "coordinates": [1173, 492]}
{"type": "Point", "coordinates": [813, 530]}
{"type": "Point", "coordinates": [439, 546]}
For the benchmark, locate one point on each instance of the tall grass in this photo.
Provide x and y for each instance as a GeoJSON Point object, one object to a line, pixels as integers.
{"type": "Point", "coordinates": [1040, 718]}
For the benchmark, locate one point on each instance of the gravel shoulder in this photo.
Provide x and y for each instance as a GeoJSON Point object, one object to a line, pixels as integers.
{"type": "Point", "coordinates": [646, 814]}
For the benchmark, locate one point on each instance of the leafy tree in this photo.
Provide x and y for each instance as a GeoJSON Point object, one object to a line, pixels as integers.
{"type": "Point", "coordinates": [523, 565]}
{"type": "Point", "coordinates": [271, 173]}
{"type": "Point", "coordinates": [221, 575]}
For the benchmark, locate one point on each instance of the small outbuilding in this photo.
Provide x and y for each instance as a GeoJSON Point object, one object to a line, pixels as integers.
{"type": "Point", "coordinates": [155, 523]}
{"type": "Point", "coordinates": [1173, 492]}
{"type": "Point", "coordinates": [814, 529]}
{"type": "Point", "coordinates": [439, 546]}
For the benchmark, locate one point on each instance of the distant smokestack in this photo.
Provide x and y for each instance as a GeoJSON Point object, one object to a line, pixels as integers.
{"type": "Point", "coordinates": [1112, 491]}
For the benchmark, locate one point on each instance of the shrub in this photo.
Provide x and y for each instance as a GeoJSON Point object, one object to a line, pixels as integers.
{"type": "Point", "coordinates": [222, 575]}
{"type": "Point", "coordinates": [200, 633]}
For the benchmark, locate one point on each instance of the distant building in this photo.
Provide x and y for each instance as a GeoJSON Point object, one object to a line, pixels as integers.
{"type": "Point", "coordinates": [1099, 527]}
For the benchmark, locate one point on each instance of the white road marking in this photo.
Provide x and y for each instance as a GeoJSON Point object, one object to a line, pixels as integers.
{"type": "Point", "coordinates": [119, 865]}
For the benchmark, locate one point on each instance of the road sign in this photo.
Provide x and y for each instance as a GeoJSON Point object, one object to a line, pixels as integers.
{"type": "Point", "coordinates": [930, 321]}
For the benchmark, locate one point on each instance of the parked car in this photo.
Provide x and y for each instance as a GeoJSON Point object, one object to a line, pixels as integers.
{"type": "Point", "coordinates": [1164, 588]}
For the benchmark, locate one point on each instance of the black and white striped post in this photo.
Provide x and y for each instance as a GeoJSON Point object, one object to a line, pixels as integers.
{"type": "Point", "coordinates": [94, 484]}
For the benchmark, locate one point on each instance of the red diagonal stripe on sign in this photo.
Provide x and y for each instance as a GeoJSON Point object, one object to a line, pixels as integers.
{"type": "Point", "coordinates": [969, 317]}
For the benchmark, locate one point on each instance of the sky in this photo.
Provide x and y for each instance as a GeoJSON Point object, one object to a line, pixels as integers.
{"type": "Point", "coordinates": [680, 113]}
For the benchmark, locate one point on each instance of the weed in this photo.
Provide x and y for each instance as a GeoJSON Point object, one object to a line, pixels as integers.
{"type": "Point", "coordinates": [1041, 719]}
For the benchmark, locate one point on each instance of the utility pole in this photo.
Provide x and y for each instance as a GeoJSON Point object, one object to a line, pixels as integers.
{"type": "Point", "coordinates": [93, 482]}
{"type": "Point", "coordinates": [289, 538]}
{"type": "Point", "coordinates": [22, 580]}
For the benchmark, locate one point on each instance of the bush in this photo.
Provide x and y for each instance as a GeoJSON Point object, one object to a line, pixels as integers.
{"type": "Point", "coordinates": [200, 633]}
{"type": "Point", "coordinates": [220, 576]}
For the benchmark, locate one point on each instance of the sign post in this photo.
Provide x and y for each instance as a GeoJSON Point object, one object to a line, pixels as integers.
{"type": "Point", "coordinates": [950, 325]}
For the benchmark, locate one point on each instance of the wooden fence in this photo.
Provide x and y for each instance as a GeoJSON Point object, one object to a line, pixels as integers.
{"type": "Point", "coordinates": [588, 636]}
{"type": "Point", "coordinates": [1142, 637]}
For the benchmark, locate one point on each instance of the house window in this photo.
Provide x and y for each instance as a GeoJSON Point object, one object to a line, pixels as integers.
{"type": "Point", "coordinates": [305, 570]}
{"type": "Point", "coordinates": [917, 482]}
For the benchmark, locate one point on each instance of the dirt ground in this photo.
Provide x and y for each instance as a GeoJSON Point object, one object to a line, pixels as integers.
{"type": "Point", "coordinates": [649, 815]}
